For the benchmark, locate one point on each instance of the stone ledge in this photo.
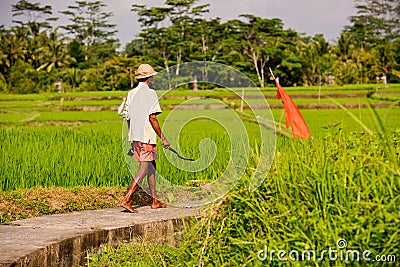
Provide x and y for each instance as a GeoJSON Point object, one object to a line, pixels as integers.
{"type": "Point", "coordinates": [64, 239]}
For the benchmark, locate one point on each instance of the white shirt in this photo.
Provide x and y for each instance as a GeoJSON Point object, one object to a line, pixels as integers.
{"type": "Point", "coordinates": [140, 103]}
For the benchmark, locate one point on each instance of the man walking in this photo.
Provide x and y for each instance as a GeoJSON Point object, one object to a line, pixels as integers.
{"type": "Point", "coordinates": [142, 107]}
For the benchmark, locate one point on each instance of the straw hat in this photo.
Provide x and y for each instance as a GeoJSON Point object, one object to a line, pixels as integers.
{"type": "Point", "coordinates": [144, 71]}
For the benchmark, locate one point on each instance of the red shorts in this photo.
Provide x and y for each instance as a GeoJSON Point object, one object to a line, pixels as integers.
{"type": "Point", "coordinates": [144, 152]}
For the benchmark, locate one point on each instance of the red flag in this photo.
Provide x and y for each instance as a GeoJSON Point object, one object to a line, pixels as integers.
{"type": "Point", "coordinates": [293, 115]}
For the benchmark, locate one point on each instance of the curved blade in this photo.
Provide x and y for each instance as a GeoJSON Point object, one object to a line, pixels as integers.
{"type": "Point", "coordinates": [179, 156]}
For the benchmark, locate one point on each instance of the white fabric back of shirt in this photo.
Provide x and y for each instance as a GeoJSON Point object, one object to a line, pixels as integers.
{"type": "Point", "coordinates": [141, 102]}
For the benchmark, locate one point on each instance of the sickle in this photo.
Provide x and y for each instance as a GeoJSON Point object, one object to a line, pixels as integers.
{"type": "Point", "coordinates": [179, 156]}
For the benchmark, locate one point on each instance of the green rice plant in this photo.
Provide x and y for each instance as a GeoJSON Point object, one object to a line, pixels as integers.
{"type": "Point", "coordinates": [90, 154]}
{"type": "Point", "coordinates": [79, 116]}
{"type": "Point", "coordinates": [61, 156]}
{"type": "Point", "coordinates": [319, 120]}
{"type": "Point", "coordinates": [48, 116]}
{"type": "Point", "coordinates": [145, 255]}
{"type": "Point", "coordinates": [342, 184]}
{"type": "Point", "coordinates": [190, 149]}
{"type": "Point", "coordinates": [380, 131]}
{"type": "Point", "coordinates": [20, 103]}
{"type": "Point", "coordinates": [318, 192]}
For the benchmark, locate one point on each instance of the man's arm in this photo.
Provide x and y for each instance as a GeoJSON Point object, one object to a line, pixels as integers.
{"type": "Point", "coordinates": [156, 126]}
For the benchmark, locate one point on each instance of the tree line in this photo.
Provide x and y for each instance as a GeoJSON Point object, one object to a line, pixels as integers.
{"type": "Point", "coordinates": [82, 55]}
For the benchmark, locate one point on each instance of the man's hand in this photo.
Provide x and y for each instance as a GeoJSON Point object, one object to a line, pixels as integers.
{"type": "Point", "coordinates": [165, 143]}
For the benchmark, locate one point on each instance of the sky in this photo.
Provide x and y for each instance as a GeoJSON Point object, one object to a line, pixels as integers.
{"type": "Point", "coordinates": [305, 16]}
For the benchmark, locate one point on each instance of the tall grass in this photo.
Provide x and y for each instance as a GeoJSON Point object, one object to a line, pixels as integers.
{"type": "Point", "coordinates": [61, 156]}
{"type": "Point", "coordinates": [91, 155]}
{"type": "Point", "coordinates": [341, 186]}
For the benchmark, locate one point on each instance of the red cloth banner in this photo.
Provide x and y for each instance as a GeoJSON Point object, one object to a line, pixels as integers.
{"type": "Point", "coordinates": [293, 115]}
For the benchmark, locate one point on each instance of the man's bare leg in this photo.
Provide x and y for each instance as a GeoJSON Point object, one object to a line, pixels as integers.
{"type": "Point", "coordinates": [151, 179]}
{"type": "Point", "coordinates": [141, 173]}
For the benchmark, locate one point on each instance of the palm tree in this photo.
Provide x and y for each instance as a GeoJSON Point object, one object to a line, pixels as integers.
{"type": "Point", "coordinates": [55, 53]}
{"type": "Point", "coordinates": [12, 47]}
{"type": "Point", "coordinates": [345, 68]}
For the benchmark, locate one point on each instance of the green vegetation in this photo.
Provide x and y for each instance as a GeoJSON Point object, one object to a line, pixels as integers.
{"type": "Point", "coordinates": [342, 186]}
{"type": "Point", "coordinates": [36, 56]}
{"type": "Point", "coordinates": [319, 121]}
{"type": "Point", "coordinates": [38, 201]}
{"type": "Point", "coordinates": [70, 145]}
{"type": "Point", "coordinates": [61, 152]}
{"type": "Point", "coordinates": [60, 156]}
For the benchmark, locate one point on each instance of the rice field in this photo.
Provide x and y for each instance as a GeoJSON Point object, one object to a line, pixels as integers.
{"type": "Point", "coordinates": [342, 184]}
{"type": "Point", "coordinates": [45, 145]}
{"type": "Point", "coordinates": [341, 188]}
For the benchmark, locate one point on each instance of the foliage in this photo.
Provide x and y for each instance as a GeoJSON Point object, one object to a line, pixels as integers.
{"type": "Point", "coordinates": [23, 78]}
{"type": "Point", "coordinates": [177, 32]}
{"type": "Point", "coordinates": [255, 44]}
{"type": "Point", "coordinates": [61, 156]}
{"type": "Point", "coordinates": [376, 22]}
{"type": "Point", "coordinates": [119, 73]}
{"type": "Point", "coordinates": [341, 187]}
{"type": "Point", "coordinates": [91, 29]}
{"type": "Point", "coordinates": [26, 203]}
{"type": "Point", "coordinates": [55, 53]}
{"type": "Point", "coordinates": [138, 254]}
{"type": "Point", "coordinates": [341, 184]}
{"type": "Point", "coordinates": [92, 80]}
{"type": "Point", "coordinates": [33, 12]}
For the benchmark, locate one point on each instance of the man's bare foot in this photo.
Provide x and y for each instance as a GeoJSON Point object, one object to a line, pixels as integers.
{"type": "Point", "coordinates": [158, 205]}
{"type": "Point", "coordinates": [128, 207]}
